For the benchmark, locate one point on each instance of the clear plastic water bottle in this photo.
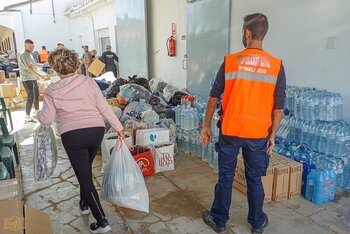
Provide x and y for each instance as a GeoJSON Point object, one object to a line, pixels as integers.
{"type": "Point", "coordinates": [316, 139]}
{"type": "Point", "coordinates": [180, 142]}
{"type": "Point", "coordinates": [345, 182]}
{"type": "Point", "coordinates": [305, 133]}
{"type": "Point", "coordinates": [322, 107]}
{"type": "Point", "coordinates": [342, 142]}
{"type": "Point", "coordinates": [292, 130]}
{"type": "Point", "coordinates": [205, 153]}
{"type": "Point", "coordinates": [323, 139]}
{"type": "Point", "coordinates": [331, 139]}
{"type": "Point", "coordinates": [330, 107]}
{"type": "Point", "coordinates": [298, 129]}
{"type": "Point", "coordinates": [312, 130]}
{"type": "Point", "coordinates": [193, 148]}
{"type": "Point", "coordinates": [339, 107]}
{"type": "Point", "coordinates": [177, 111]}
{"type": "Point", "coordinates": [187, 144]}
{"type": "Point", "coordinates": [182, 117]}
{"type": "Point", "coordinates": [198, 146]}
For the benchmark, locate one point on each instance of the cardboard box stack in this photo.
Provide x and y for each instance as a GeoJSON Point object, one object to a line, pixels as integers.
{"type": "Point", "coordinates": [282, 181]}
{"type": "Point", "coordinates": [16, 218]}
{"type": "Point", "coordinates": [2, 76]}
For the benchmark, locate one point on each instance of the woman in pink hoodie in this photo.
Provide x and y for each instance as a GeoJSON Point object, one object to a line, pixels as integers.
{"type": "Point", "coordinates": [79, 107]}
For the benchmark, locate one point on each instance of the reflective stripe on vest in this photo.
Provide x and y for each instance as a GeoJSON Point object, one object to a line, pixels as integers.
{"type": "Point", "coordinates": [250, 76]}
{"type": "Point", "coordinates": [248, 99]}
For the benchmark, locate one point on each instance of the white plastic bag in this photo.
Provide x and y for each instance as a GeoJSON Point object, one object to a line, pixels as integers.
{"type": "Point", "coordinates": [110, 139]}
{"type": "Point", "coordinates": [45, 152]}
{"type": "Point", "coordinates": [123, 182]}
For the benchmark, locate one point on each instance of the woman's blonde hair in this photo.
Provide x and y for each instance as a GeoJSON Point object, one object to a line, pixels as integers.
{"type": "Point", "coordinates": [64, 61]}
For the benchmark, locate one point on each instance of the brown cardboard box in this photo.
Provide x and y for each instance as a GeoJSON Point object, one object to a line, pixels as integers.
{"type": "Point", "coordinates": [112, 101]}
{"type": "Point", "coordinates": [280, 182]}
{"type": "Point", "coordinates": [240, 182]}
{"type": "Point", "coordinates": [295, 175]}
{"type": "Point", "coordinates": [8, 101]}
{"type": "Point", "coordinates": [13, 76]}
{"type": "Point", "coordinates": [96, 67]}
{"type": "Point", "coordinates": [2, 76]}
{"type": "Point", "coordinates": [12, 220]}
{"type": "Point", "coordinates": [7, 90]}
{"type": "Point", "coordinates": [295, 179]}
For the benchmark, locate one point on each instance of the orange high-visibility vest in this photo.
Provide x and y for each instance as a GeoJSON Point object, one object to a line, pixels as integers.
{"type": "Point", "coordinates": [43, 55]}
{"type": "Point", "coordinates": [248, 99]}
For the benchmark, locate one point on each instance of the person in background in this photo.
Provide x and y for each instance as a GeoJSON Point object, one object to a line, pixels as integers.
{"type": "Point", "coordinates": [93, 55]}
{"type": "Point", "coordinates": [111, 60]}
{"type": "Point", "coordinates": [43, 55]}
{"type": "Point", "coordinates": [86, 60]}
{"type": "Point", "coordinates": [253, 85]}
{"type": "Point", "coordinates": [59, 45]}
{"type": "Point", "coordinates": [36, 56]}
{"type": "Point", "coordinates": [29, 75]}
{"type": "Point", "coordinates": [80, 117]}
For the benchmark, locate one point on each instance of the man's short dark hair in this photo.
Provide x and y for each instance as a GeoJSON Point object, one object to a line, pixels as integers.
{"type": "Point", "coordinates": [256, 23]}
{"type": "Point", "coordinates": [28, 41]}
{"type": "Point", "coordinates": [43, 47]}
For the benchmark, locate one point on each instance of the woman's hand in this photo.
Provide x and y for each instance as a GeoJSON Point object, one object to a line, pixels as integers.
{"type": "Point", "coordinates": [121, 135]}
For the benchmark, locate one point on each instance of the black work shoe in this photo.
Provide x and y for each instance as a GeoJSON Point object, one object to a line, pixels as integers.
{"type": "Point", "coordinates": [84, 208]}
{"type": "Point", "coordinates": [100, 227]}
{"type": "Point", "coordinates": [209, 220]}
{"type": "Point", "coordinates": [261, 229]}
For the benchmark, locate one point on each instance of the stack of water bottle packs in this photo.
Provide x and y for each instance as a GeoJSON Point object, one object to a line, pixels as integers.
{"type": "Point", "coordinates": [314, 133]}
{"type": "Point", "coordinates": [189, 121]}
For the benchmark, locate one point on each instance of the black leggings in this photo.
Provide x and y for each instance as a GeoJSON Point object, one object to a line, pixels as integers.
{"type": "Point", "coordinates": [81, 146]}
{"type": "Point", "coordinates": [32, 89]}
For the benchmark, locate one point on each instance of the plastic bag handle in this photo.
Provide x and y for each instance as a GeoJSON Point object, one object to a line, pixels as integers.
{"type": "Point", "coordinates": [119, 144]}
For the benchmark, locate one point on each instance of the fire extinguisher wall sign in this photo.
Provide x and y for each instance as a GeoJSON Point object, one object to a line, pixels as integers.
{"type": "Point", "coordinates": [171, 46]}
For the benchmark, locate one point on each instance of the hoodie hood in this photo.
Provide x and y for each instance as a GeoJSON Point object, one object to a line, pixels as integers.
{"type": "Point", "coordinates": [67, 88]}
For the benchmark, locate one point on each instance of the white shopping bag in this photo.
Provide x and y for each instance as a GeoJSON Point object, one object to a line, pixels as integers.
{"type": "Point", "coordinates": [152, 136]}
{"type": "Point", "coordinates": [163, 155]}
{"type": "Point", "coordinates": [123, 182]}
{"type": "Point", "coordinates": [107, 145]}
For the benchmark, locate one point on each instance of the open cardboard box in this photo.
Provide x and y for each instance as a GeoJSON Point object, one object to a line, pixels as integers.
{"type": "Point", "coordinates": [16, 218]}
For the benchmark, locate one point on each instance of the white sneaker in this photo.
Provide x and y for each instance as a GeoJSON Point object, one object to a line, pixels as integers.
{"type": "Point", "coordinates": [28, 119]}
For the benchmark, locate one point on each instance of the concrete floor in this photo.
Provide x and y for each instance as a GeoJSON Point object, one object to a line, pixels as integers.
{"type": "Point", "coordinates": [177, 200]}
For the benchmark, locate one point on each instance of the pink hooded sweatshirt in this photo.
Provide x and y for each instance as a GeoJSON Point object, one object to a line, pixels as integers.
{"type": "Point", "coordinates": [76, 102]}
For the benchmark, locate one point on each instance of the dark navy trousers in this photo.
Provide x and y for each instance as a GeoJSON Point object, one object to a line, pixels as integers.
{"type": "Point", "coordinates": [256, 162]}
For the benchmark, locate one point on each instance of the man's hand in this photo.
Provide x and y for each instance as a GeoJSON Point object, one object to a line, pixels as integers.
{"type": "Point", "coordinates": [206, 136]}
{"type": "Point", "coordinates": [270, 145]}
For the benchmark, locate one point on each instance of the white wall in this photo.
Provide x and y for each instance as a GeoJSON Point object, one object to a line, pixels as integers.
{"type": "Point", "coordinates": [160, 16]}
{"type": "Point", "coordinates": [86, 25]}
{"type": "Point", "coordinates": [298, 35]}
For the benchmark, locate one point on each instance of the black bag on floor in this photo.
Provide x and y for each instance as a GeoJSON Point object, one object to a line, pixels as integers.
{"type": "Point", "coordinates": [103, 85]}
{"type": "Point", "coordinates": [139, 81]}
{"type": "Point", "coordinates": [115, 88]}
{"type": "Point", "coordinates": [176, 98]}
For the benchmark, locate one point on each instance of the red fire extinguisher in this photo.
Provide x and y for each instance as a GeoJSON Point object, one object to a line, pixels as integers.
{"type": "Point", "coordinates": [171, 46]}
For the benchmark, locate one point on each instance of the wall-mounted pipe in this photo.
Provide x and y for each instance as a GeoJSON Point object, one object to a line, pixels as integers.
{"type": "Point", "coordinates": [53, 12]}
